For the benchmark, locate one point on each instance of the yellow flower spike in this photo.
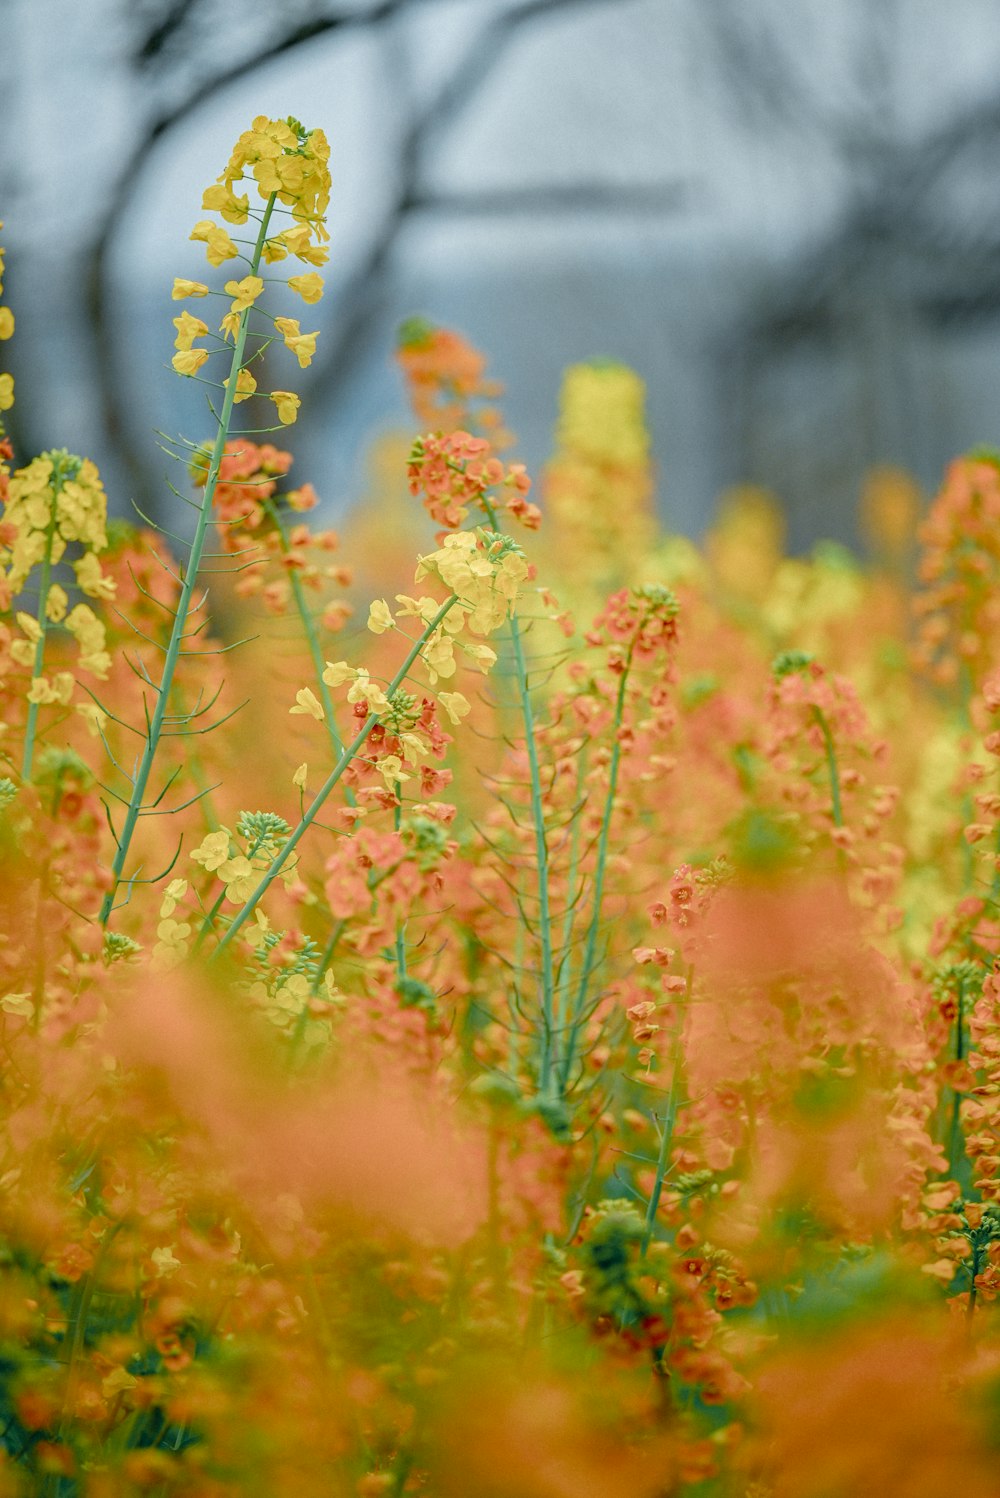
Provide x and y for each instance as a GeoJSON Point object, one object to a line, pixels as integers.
{"type": "Point", "coordinates": [307, 702]}
{"type": "Point", "coordinates": [287, 404]}
{"type": "Point", "coordinates": [244, 293]}
{"type": "Point", "coordinates": [6, 323]}
{"type": "Point", "coordinates": [380, 617]}
{"type": "Point", "coordinates": [188, 329]}
{"type": "Point", "coordinates": [6, 392]}
{"type": "Point", "coordinates": [189, 362]}
{"type": "Point", "coordinates": [246, 386]}
{"type": "Point", "coordinates": [218, 245]}
{"type": "Point", "coordinates": [184, 288]}
{"type": "Point", "coordinates": [309, 286]}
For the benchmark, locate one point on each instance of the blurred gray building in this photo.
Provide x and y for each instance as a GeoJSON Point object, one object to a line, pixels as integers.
{"type": "Point", "coordinates": [785, 217]}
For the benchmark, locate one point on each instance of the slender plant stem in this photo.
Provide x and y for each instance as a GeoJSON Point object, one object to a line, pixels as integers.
{"type": "Point", "coordinates": [312, 639]}
{"type": "Point", "coordinates": [547, 975]}
{"type": "Point", "coordinates": [831, 764]}
{"type": "Point", "coordinates": [603, 840]}
{"type": "Point", "coordinates": [310, 815]}
{"type": "Point", "coordinates": [177, 634]}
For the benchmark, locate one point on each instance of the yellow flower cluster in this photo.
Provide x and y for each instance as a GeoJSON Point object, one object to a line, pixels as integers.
{"type": "Point", "coordinates": [601, 414]}
{"type": "Point", "coordinates": [6, 329]}
{"type": "Point", "coordinates": [240, 874]}
{"type": "Point", "coordinates": [48, 507]}
{"type": "Point", "coordinates": [484, 571]}
{"type": "Point", "coordinates": [289, 167]}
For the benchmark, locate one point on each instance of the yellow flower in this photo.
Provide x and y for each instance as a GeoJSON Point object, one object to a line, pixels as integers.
{"type": "Point", "coordinates": [481, 655]}
{"type": "Point", "coordinates": [244, 293]}
{"type": "Point", "coordinates": [307, 702]}
{"type": "Point", "coordinates": [238, 875]}
{"type": "Point", "coordinates": [418, 608]}
{"type": "Point", "coordinates": [189, 361]}
{"type": "Point", "coordinates": [184, 287]}
{"type": "Point", "coordinates": [6, 392]}
{"type": "Point", "coordinates": [287, 404]}
{"type": "Point", "coordinates": [6, 323]}
{"type": "Point", "coordinates": [218, 245]}
{"type": "Point", "coordinates": [91, 580]}
{"type": "Point", "coordinates": [302, 345]}
{"type": "Point", "coordinates": [95, 717]}
{"type": "Point", "coordinates": [221, 199]}
{"type": "Point", "coordinates": [274, 250]}
{"type": "Point", "coordinates": [299, 778]}
{"type": "Point", "coordinates": [40, 691]}
{"type": "Point", "coordinates": [57, 602]}
{"type": "Point", "coordinates": [380, 617]}
{"type": "Point", "coordinates": [230, 325]}
{"type": "Point", "coordinates": [455, 705]}
{"type": "Point", "coordinates": [245, 386]}
{"type": "Point", "coordinates": [390, 767]}
{"type": "Point", "coordinates": [439, 656]}
{"type": "Point", "coordinates": [299, 241]}
{"type": "Point", "coordinates": [211, 853]}
{"type": "Point", "coordinates": [188, 329]}
{"type": "Point", "coordinates": [337, 672]}
{"type": "Point", "coordinates": [309, 286]}
{"type": "Point", "coordinates": [367, 691]}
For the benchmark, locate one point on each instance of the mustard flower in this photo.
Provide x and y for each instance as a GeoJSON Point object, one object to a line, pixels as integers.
{"type": "Point", "coordinates": [6, 392]}
{"type": "Point", "coordinates": [189, 361]}
{"type": "Point", "coordinates": [188, 329]}
{"type": "Point", "coordinates": [287, 404]}
{"type": "Point", "coordinates": [244, 293]}
{"type": "Point", "coordinates": [308, 286]}
{"type": "Point", "coordinates": [380, 617]}
{"type": "Point", "coordinates": [6, 323]}
{"type": "Point", "coordinates": [307, 702]}
{"type": "Point", "coordinates": [184, 288]}
{"type": "Point", "coordinates": [218, 244]}
{"type": "Point", "coordinates": [302, 345]}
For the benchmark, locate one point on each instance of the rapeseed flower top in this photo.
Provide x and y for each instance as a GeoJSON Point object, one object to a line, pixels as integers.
{"type": "Point", "coordinates": [288, 165]}
{"type": "Point", "coordinates": [56, 500]}
{"type": "Point", "coordinates": [601, 414]}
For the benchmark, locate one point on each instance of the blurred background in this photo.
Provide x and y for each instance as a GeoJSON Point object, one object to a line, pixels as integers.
{"type": "Point", "coordinates": [785, 217]}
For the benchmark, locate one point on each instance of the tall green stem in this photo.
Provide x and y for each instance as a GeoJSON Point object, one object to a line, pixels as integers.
{"type": "Point", "coordinates": [177, 634]}
{"type": "Point", "coordinates": [547, 975]}
{"type": "Point", "coordinates": [603, 840]}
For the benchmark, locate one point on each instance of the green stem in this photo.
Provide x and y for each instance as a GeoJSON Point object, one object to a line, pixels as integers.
{"type": "Point", "coordinates": [831, 765]}
{"type": "Point", "coordinates": [594, 925]}
{"type": "Point", "coordinates": [309, 816]}
{"type": "Point", "coordinates": [312, 639]}
{"type": "Point", "coordinates": [666, 1137]}
{"type": "Point", "coordinates": [177, 634]}
{"type": "Point", "coordinates": [547, 975]}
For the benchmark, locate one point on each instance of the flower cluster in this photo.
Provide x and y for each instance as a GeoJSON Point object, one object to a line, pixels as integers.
{"type": "Point", "coordinates": [456, 472]}
{"type": "Point", "coordinates": [289, 167]}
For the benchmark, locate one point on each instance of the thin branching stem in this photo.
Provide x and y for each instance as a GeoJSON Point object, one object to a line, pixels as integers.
{"type": "Point", "coordinates": [187, 592]}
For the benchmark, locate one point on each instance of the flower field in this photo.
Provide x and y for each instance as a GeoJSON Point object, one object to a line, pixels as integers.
{"type": "Point", "coordinates": [501, 1002]}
